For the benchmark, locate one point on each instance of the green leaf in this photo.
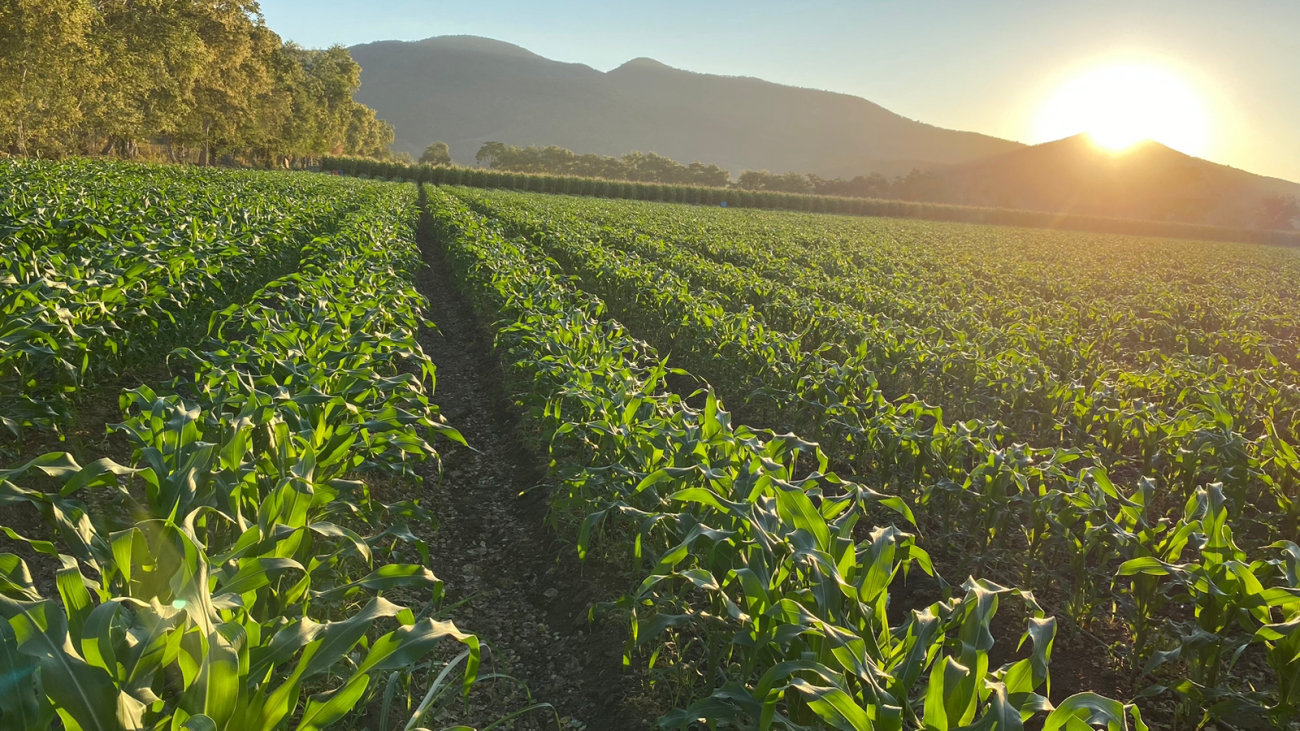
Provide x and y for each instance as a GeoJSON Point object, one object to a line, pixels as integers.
{"type": "Point", "coordinates": [324, 709]}
{"type": "Point", "coordinates": [84, 696]}
{"type": "Point", "coordinates": [1089, 710]}
{"type": "Point", "coordinates": [200, 722]}
{"type": "Point", "coordinates": [834, 706]}
{"type": "Point", "coordinates": [21, 708]}
{"type": "Point", "coordinates": [795, 507]}
{"type": "Point", "coordinates": [1148, 565]}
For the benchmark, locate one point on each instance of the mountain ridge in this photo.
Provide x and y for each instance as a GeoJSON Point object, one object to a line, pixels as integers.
{"type": "Point", "coordinates": [467, 90]}
{"type": "Point", "coordinates": [1147, 180]}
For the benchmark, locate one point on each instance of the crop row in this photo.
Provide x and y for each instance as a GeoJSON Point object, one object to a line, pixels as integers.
{"type": "Point", "coordinates": [236, 574]}
{"type": "Point", "coordinates": [1182, 417]}
{"type": "Point", "coordinates": [739, 198]}
{"type": "Point", "coordinates": [760, 578]}
{"type": "Point", "coordinates": [100, 262]}
{"type": "Point", "coordinates": [1161, 554]}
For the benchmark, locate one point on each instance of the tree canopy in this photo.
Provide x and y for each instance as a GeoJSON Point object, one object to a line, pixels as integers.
{"type": "Point", "coordinates": [636, 166]}
{"type": "Point", "coordinates": [647, 167]}
{"type": "Point", "coordinates": [438, 153]}
{"type": "Point", "coordinates": [1279, 212]}
{"type": "Point", "coordinates": [202, 80]}
{"type": "Point", "coordinates": [915, 186]}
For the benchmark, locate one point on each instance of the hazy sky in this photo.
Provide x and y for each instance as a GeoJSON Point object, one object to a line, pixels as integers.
{"type": "Point", "coordinates": [986, 66]}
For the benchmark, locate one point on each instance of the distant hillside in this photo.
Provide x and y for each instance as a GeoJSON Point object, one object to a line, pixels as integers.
{"type": "Point", "coordinates": [1149, 181]}
{"type": "Point", "coordinates": [465, 91]}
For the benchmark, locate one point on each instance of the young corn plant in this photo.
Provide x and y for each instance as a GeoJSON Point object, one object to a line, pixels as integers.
{"type": "Point", "coordinates": [745, 539]}
{"type": "Point", "coordinates": [989, 393]}
{"type": "Point", "coordinates": [236, 576]}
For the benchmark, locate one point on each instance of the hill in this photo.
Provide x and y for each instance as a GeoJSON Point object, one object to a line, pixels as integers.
{"type": "Point", "coordinates": [466, 90]}
{"type": "Point", "coordinates": [1148, 181]}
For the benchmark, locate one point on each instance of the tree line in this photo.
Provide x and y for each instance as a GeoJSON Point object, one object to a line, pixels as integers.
{"type": "Point", "coordinates": [928, 186]}
{"type": "Point", "coordinates": [917, 185]}
{"type": "Point", "coordinates": [197, 80]}
{"type": "Point", "coordinates": [648, 167]}
{"type": "Point", "coordinates": [733, 196]}
{"type": "Point", "coordinates": [634, 166]}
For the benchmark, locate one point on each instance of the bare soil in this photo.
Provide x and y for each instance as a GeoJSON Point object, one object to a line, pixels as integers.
{"type": "Point", "coordinates": [528, 595]}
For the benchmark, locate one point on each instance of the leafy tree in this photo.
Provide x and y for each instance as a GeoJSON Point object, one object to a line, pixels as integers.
{"type": "Point", "coordinates": [196, 75]}
{"type": "Point", "coordinates": [1279, 212]}
{"type": "Point", "coordinates": [236, 51]}
{"type": "Point", "coordinates": [149, 59]}
{"type": "Point", "coordinates": [636, 166]}
{"type": "Point", "coordinates": [919, 186]}
{"type": "Point", "coordinates": [324, 118]}
{"type": "Point", "coordinates": [44, 47]}
{"type": "Point", "coordinates": [438, 153]}
{"type": "Point", "coordinates": [707, 175]}
{"type": "Point", "coordinates": [874, 185]}
{"type": "Point", "coordinates": [489, 154]}
{"type": "Point", "coordinates": [368, 135]}
{"type": "Point", "coordinates": [779, 182]}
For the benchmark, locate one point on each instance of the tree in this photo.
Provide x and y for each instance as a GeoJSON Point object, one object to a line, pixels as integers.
{"type": "Point", "coordinates": [437, 153]}
{"type": "Point", "coordinates": [1279, 212]}
{"type": "Point", "coordinates": [707, 175]}
{"type": "Point", "coordinates": [235, 71]}
{"type": "Point", "coordinates": [150, 57]}
{"type": "Point", "coordinates": [490, 154]}
{"type": "Point", "coordinates": [367, 134]}
{"type": "Point", "coordinates": [44, 53]}
{"type": "Point", "coordinates": [782, 182]}
{"type": "Point", "coordinates": [919, 186]}
{"type": "Point", "coordinates": [104, 75]}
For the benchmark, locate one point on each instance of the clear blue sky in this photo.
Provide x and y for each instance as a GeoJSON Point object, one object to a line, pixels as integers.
{"type": "Point", "coordinates": [983, 65]}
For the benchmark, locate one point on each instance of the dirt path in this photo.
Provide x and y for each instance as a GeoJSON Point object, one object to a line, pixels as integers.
{"type": "Point", "coordinates": [530, 593]}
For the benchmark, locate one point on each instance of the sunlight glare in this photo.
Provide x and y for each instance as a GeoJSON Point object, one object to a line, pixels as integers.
{"type": "Point", "coordinates": [1121, 104]}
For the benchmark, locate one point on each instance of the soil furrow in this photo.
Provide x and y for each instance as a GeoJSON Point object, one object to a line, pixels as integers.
{"type": "Point", "coordinates": [528, 594]}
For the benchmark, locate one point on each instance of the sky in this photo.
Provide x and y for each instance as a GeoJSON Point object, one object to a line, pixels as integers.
{"type": "Point", "coordinates": [987, 66]}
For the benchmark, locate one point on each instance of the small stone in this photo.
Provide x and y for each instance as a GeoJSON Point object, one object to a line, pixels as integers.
{"type": "Point", "coordinates": [551, 593]}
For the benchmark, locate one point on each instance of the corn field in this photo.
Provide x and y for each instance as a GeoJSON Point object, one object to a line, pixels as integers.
{"type": "Point", "coordinates": [1106, 423]}
{"type": "Point", "coordinates": [767, 577]}
{"type": "Point", "coordinates": [859, 473]}
{"type": "Point", "coordinates": [233, 572]}
{"type": "Point", "coordinates": [733, 197]}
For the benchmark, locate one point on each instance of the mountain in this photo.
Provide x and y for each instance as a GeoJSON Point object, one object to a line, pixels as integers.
{"type": "Point", "coordinates": [1148, 180]}
{"type": "Point", "coordinates": [465, 90]}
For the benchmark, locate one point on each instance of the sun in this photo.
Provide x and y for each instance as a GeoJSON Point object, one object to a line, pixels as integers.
{"type": "Point", "coordinates": [1121, 103]}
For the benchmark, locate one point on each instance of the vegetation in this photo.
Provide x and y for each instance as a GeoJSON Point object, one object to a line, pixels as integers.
{"type": "Point", "coordinates": [233, 572]}
{"type": "Point", "coordinates": [437, 153]}
{"type": "Point", "coordinates": [954, 447]}
{"type": "Point", "coordinates": [1279, 212]}
{"type": "Point", "coordinates": [103, 263]}
{"type": "Point", "coordinates": [763, 580]}
{"type": "Point", "coordinates": [652, 168]}
{"type": "Point", "coordinates": [1104, 421]}
{"type": "Point", "coordinates": [202, 81]}
{"type": "Point", "coordinates": [733, 198]}
{"type": "Point", "coordinates": [636, 166]}
{"type": "Point", "coordinates": [915, 186]}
